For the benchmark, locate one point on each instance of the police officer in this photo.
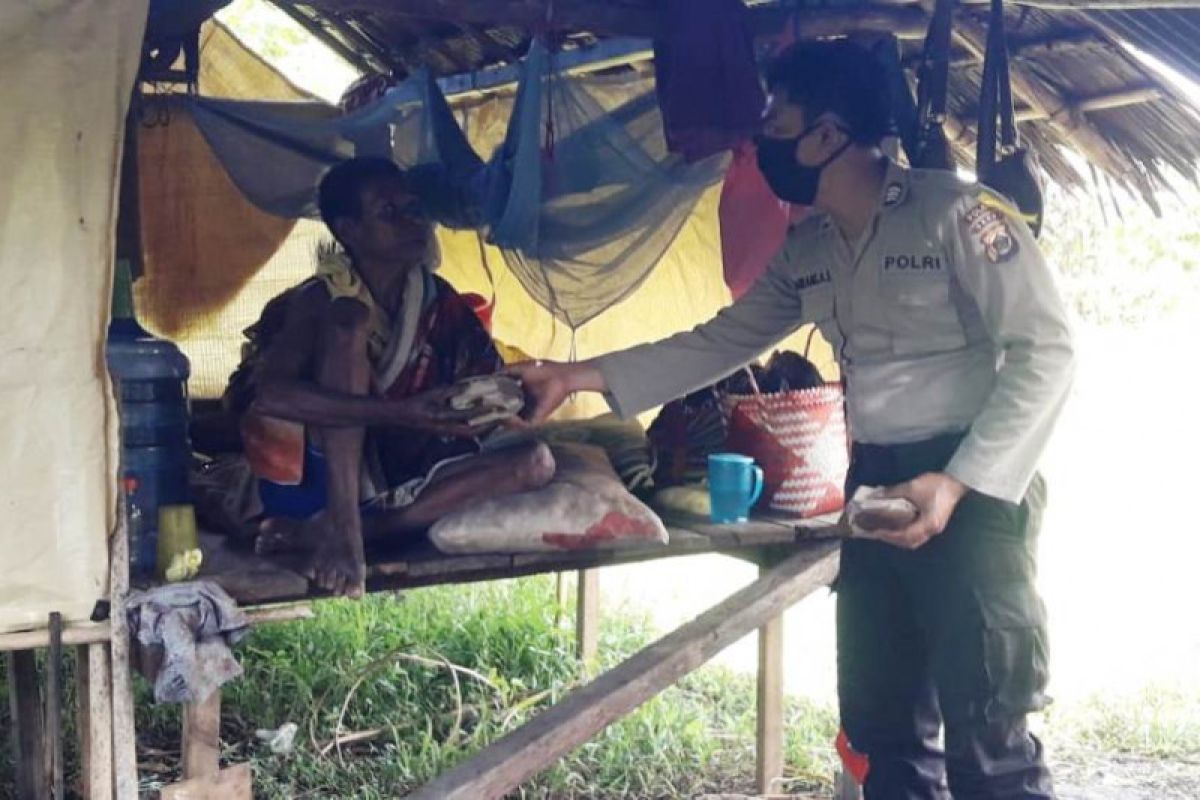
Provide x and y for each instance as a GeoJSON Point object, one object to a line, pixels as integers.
{"type": "Point", "coordinates": [957, 356]}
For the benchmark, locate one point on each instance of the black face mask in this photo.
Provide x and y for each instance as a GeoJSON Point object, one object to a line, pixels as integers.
{"type": "Point", "coordinates": [790, 180]}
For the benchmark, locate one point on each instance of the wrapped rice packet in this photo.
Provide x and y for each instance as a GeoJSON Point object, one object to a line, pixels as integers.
{"type": "Point", "coordinates": [494, 397]}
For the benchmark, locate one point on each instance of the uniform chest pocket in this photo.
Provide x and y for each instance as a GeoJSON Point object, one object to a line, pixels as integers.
{"type": "Point", "coordinates": [921, 315]}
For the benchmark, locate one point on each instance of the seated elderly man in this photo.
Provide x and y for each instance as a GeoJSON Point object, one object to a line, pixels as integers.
{"type": "Point", "coordinates": [343, 392]}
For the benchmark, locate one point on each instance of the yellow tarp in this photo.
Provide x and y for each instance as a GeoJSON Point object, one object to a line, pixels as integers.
{"type": "Point", "coordinates": [207, 274]}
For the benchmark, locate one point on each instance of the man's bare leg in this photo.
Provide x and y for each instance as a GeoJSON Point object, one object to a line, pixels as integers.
{"type": "Point", "coordinates": [518, 469]}
{"type": "Point", "coordinates": [337, 564]}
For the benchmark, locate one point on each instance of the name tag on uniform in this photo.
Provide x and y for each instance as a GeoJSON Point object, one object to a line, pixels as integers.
{"type": "Point", "coordinates": [813, 279]}
{"type": "Point", "coordinates": [912, 264]}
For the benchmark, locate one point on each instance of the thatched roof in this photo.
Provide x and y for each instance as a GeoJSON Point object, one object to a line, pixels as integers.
{"type": "Point", "coordinates": [1076, 79]}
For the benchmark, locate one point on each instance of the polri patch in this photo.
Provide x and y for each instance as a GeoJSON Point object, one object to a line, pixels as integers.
{"type": "Point", "coordinates": [911, 263]}
{"type": "Point", "coordinates": [989, 227]}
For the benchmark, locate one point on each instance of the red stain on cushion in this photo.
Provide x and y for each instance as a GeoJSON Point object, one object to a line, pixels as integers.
{"type": "Point", "coordinates": [614, 525]}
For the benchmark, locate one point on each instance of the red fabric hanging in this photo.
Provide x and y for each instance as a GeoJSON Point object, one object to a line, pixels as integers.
{"type": "Point", "coordinates": [707, 79]}
{"type": "Point", "coordinates": [754, 221]}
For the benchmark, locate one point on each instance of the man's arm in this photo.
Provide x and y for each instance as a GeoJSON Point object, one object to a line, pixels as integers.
{"type": "Point", "coordinates": [283, 390]}
{"type": "Point", "coordinates": [644, 376]}
{"type": "Point", "coordinates": [648, 375]}
{"type": "Point", "coordinates": [999, 264]}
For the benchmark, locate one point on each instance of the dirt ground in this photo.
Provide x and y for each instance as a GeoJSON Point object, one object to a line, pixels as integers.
{"type": "Point", "coordinates": [1083, 775]}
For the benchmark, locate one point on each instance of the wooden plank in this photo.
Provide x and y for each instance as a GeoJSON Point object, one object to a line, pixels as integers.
{"type": "Point", "coordinates": [234, 783]}
{"type": "Point", "coordinates": [202, 737]}
{"type": "Point", "coordinates": [251, 579]}
{"type": "Point", "coordinates": [247, 577]}
{"type": "Point", "coordinates": [28, 732]}
{"type": "Point", "coordinates": [769, 732]}
{"type": "Point", "coordinates": [598, 18]}
{"type": "Point", "coordinates": [760, 538]}
{"type": "Point", "coordinates": [450, 565]}
{"type": "Point", "coordinates": [94, 704]}
{"type": "Point", "coordinates": [1099, 5]}
{"type": "Point", "coordinates": [124, 735]}
{"type": "Point", "coordinates": [587, 617]}
{"type": "Point", "coordinates": [72, 634]}
{"type": "Point", "coordinates": [514, 758]}
{"type": "Point", "coordinates": [279, 613]}
{"type": "Point", "coordinates": [612, 19]}
{"type": "Point", "coordinates": [54, 705]}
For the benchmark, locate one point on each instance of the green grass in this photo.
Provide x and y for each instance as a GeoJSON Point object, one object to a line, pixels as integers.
{"type": "Point", "coordinates": [383, 665]}
{"type": "Point", "coordinates": [1155, 722]}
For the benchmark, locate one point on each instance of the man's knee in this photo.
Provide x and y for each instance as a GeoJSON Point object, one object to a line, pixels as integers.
{"type": "Point", "coordinates": [535, 465]}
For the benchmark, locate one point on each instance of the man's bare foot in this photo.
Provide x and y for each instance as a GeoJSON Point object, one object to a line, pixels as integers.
{"type": "Point", "coordinates": [337, 564]}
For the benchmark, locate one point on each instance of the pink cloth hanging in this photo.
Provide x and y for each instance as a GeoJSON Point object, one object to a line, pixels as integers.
{"type": "Point", "coordinates": [754, 221]}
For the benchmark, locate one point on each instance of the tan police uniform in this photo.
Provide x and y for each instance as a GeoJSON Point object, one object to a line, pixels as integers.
{"type": "Point", "coordinates": [944, 315]}
{"type": "Point", "coordinates": [957, 356]}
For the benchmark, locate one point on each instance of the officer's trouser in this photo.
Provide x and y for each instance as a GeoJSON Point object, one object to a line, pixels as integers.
{"type": "Point", "coordinates": [953, 631]}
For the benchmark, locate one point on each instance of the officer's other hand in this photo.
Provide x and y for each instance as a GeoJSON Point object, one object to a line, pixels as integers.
{"type": "Point", "coordinates": [935, 495]}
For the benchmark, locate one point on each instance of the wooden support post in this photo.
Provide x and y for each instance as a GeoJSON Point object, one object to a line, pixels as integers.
{"type": "Point", "coordinates": [202, 737]}
{"type": "Point", "coordinates": [587, 617]}
{"type": "Point", "coordinates": [560, 598]}
{"type": "Point", "coordinates": [124, 735]}
{"type": "Point", "coordinates": [769, 738]}
{"type": "Point", "coordinates": [513, 759]}
{"type": "Point", "coordinates": [28, 731]}
{"type": "Point", "coordinates": [54, 705]}
{"type": "Point", "coordinates": [94, 719]}
{"type": "Point", "coordinates": [203, 777]}
{"type": "Point", "coordinates": [228, 784]}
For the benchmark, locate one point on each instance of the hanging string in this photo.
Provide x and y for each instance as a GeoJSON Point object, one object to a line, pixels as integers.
{"type": "Point", "coordinates": [487, 267]}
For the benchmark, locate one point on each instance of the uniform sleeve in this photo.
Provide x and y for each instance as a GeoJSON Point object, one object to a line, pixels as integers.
{"type": "Point", "coordinates": [652, 374]}
{"type": "Point", "coordinates": [999, 265]}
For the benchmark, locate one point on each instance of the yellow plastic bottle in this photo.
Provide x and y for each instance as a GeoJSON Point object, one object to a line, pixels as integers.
{"type": "Point", "coordinates": [179, 555]}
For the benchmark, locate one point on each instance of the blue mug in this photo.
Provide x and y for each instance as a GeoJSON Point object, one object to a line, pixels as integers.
{"type": "Point", "coordinates": [734, 486]}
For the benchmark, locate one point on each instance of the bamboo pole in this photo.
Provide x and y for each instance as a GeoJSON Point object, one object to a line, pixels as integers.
{"type": "Point", "coordinates": [1097, 5]}
{"type": "Point", "coordinates": [611, 19]}
{"type": "Point", "coordinates": [364, 62]}
{"type": "Point", "coordinates": [54, 695]}
{"type": "Point", "coordinates": [124, 734]}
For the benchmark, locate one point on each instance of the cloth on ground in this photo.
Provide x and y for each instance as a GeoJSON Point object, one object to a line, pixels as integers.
{"type": "Point", "coordinates": [584, 507]}
{"type": "Point", "coordinates": [184, 631]}
{"type": "Point", "coordinates": [708, 83]}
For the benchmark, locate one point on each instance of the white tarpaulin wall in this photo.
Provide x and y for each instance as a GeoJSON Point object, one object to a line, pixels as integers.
{"type": "Point", "coordinates": [66, 70]}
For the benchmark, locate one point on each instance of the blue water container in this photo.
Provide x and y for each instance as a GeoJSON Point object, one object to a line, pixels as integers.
{"type": "Point", "coordinates": [150, 377]}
